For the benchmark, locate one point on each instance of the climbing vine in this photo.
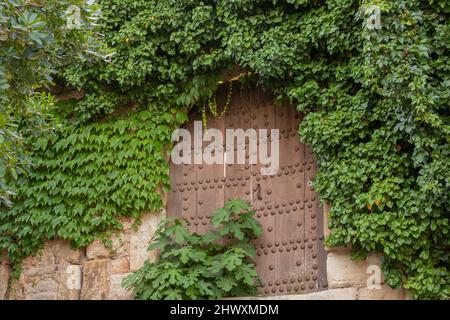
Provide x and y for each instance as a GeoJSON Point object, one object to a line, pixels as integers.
{"type": "Point", "coordinates": [86, 178]}
{"type": "Point", "coordinates": [376, 104]}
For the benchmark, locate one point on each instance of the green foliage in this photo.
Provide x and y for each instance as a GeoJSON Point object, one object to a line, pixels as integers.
{"type": "Point", "coordinates": [34, 42]}
{"type": "Point", "coordinates": [85, 178]}
{"type": "Point", "coordinates": [193, 266]}
{"type": "Point", "coordinates": [382, 143]}
{"type": "Point", "coordinates": [376, 105]}
{"type": "Point", "coordinates": [34, 120]}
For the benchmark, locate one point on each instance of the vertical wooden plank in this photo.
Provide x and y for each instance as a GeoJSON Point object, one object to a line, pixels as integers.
{"type": "Point", "coordinates": [188, 188]}
{"type": "Point", "coordinates": [263, 197]}
{"type": "Point", "coordinates": [237, 176]}
{"type": "Point", "coordinates": [290, 225]}
{"type": "Point", "coordinates": [210, 195]}
{"type": "Point", "coordinates": [322, 254]}
{"type": "Point", "coordinates": [299, 153]}
{"type": "Point", "coordinates": [174, 198]}
{"type": "Point", "coordinates": [311, 225]}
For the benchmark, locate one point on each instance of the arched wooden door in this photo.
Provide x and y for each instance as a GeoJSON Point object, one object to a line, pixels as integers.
{"type": "Point", "coordinates": [290, 253]}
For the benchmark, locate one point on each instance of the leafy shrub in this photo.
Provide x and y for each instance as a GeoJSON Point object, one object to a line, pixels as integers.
{"type": "Point", "coordinates": [210, 266]}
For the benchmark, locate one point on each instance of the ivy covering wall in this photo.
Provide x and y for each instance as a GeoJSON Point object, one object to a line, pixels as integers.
{"type": "Point", "coordinates": [376, 105]}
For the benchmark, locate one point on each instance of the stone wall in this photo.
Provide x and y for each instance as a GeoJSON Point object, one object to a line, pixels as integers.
{"type": "Point", "coordinates": [96, 272]}
{"type": "Point", "coordinates": [92, 273]}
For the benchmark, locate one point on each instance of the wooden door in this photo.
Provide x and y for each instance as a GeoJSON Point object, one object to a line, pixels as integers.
{"type": "Point", "coordinates": [290, 253]}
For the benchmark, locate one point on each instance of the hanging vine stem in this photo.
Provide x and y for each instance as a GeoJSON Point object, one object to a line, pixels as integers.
{"type": "Point", "coordinates": [212, 105]}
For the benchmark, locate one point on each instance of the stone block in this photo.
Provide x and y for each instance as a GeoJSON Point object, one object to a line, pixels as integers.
{"type": "Point", "coordinates": [116, 291]}
{"type": "Point", "coordinates": [95, 280]}
{"type": "Point", "coordinates": [120, 265]}
{"type": "Point", "coordinates": [46, 285]}
{"type": "Point", "coordinates": [39, 271]}
{"type": "Point", "coordinates": [140, 240]}
{"type": "Point", "coordinates": [383, 293]}
{"type": "Point", "coordinates": [65, 254]}
{"type": "Point", "coordinates": [43, 257]}
{"type": "Point", "coordinates": [70, 283]}
{"type": "Point", "coordinates": [344, 272]}
{"type": "Point", "coordinates": [96, 250]}
{"type": "Point", "coordinates": [4, 279]}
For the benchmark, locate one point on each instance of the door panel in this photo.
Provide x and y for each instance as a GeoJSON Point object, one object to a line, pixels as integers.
{"type": "Point", "coordinates": [290, 254]}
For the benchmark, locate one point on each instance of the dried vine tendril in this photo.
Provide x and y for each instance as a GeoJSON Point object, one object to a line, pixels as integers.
{"type": "Point", "coordinates": [212, 105]}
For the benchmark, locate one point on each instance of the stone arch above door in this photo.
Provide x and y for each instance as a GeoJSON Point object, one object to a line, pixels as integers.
{"type": "Point", "coordinates": [290, 253]}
